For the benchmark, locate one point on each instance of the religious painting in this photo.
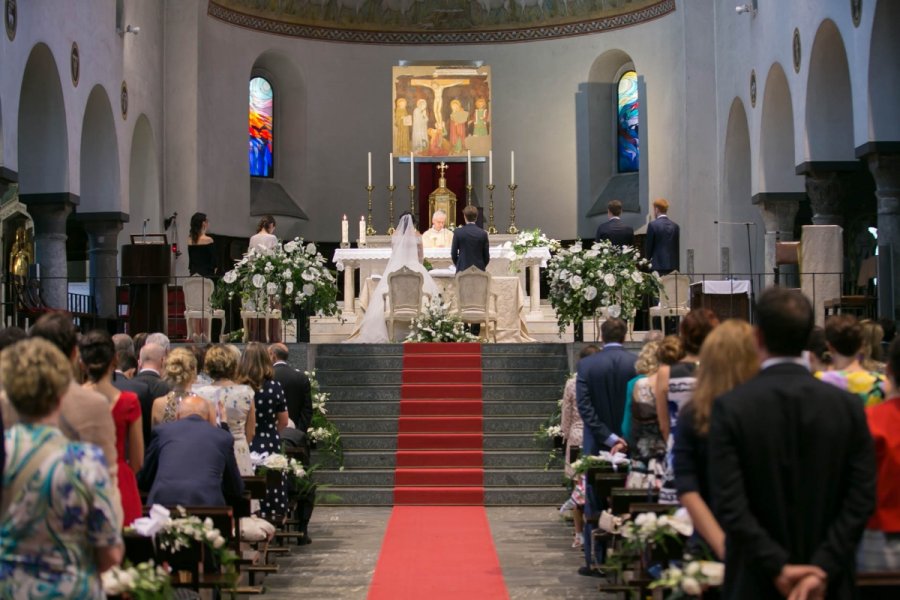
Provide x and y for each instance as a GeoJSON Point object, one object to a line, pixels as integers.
{"type": "Point", "coordinates": [260, 128]}
{"type": "Point", "coordinates": [628, 123]}
{"type": "Point", "coordinates": [441, 110]}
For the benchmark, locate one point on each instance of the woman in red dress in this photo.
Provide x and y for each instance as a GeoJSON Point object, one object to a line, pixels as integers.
{"type": "Point", "coordinates": [98, 361]}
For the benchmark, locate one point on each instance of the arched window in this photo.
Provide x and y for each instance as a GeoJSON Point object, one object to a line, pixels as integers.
{"type": "Point", "coordinates": [627, 119]}
{"type": "Point", "coordinates": [261, 128]}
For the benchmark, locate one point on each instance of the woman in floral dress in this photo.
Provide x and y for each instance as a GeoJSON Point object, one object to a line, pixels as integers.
{"type": "Point", "coordinates": [59, 531]}
{"type": "Point", "coordinates": [256, 370]}
{"type": "Point", "coordinates": [234, 400]}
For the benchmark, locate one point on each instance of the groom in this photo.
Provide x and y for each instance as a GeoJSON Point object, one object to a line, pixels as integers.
{"type": "Point", "coordinates": [470, 243]}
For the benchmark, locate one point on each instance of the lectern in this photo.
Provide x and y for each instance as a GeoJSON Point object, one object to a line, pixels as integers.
{"type": "Point", "coordinates": [146, 269]}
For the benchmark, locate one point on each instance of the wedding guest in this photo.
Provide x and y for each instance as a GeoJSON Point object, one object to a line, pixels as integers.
{"type": "Point", "coordinates": [844, 338]}
{"type": "Point", "coordinates": [202, 258]}
{"type": "Point", "coordinates": [640, 426]}
{"type": "Point", "coordinates": [870, 349]}
{"type": "Point", "coordinates": [470, 246]}
{"type": "Point", "coordinates": [880, 547]}
{"type": "Point", "coordinates": [149, 373]}
{"type": "Point", "coordinates": [160, 339]}
{"type": "Point", "coordinates": [661, 244]}
{"type": "Point", "coordinates": [59, 529]}
{"type": "Point", "coordinates": [180, 374]}
{"type": "Point", "coordinates": [727, 358]}
{"type": "Point", "coordinates": [817, 351]}
{"type": "Point", "coordinates": [98, 361]}
{"type": "Point", "coordinates": [613, 229]}
{"type": "Point", "coordinates": [297, 389]}
{"type": "Point", "coordinates": [438, 236]}
{"type": "Point", "coordinates": [264, 238]}
{"type": "Point", "coordinates": [139, 340]}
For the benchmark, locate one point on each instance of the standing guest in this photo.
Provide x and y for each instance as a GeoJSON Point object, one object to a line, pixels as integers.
{"type": "Point", "coordinates": [209, 478]}
{"type": "Point", "coordinates": [817, 351]}
{"type": "Point", "coordinates": [792, 468]}
{"type": "Point", "coordinates": [880, 547]}
{"type": "Point", "coordinates": [199, 353]}
{"type": "Point", "coordinates": [727, 358]}
{"type": "Point", "coordinates": [640, 426]}
{"type": "Point", "coordinates": [58, 526]}
{"type": "Point", "coordinates": [181, 373]}
{"type": "Point", "coordinates": [160, 339]}
{"type": "Point", "coordinates": [234, 400]}
{"type": "Point", "coordinates": [843, 337]}
{"type": "Point", "coordinates": [438, 236]}
{"type": "Point", "coordinates": [123, 378]}
{"type": "Point", "coordinates": [8, 337]}
{"type": "Point", "coordinates": [264, 238]}
{"type": "Point", "coordinates": [202, 258]}
{"type": "Point", "coordinates": [98, 361]}
{"type": "Point", "coordinates": [149, 369]}
{"type": "Point", "coordinates": [271, 417]}
{"type": "Point", "coordinates": [139, 340]}
{"type": "Point", "coordinates": [470, 243]}
{"type": "Point", "coordinates": [661, 245]}
{"type": "Point", "coordinates": [614, 229]}
{"type": "Point", "coordinates": [870, 350]}
{"type": "Point", "coordinates": [297, 389]}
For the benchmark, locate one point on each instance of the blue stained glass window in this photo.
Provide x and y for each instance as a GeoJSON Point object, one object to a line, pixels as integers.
{"type": "Point", "coordinates": [628, 140]}
{"type": "Point", "coordinates": [260, 126]}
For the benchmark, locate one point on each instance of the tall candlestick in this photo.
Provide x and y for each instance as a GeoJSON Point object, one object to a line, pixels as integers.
{"type": "Point", "coordinates": [490, 167]}
{"type": "Point", "coordinates": [512, 167]}
{"type": "Point", "coordinates": [370, 168]}
{"type": "Point", "coordinates": [469, 167]}
{"type": "Point", "coordinates": [362, 231]}
{"type": "Point", "coordinates": [391, 168]}
{"type": "Point", "coordinates": [412, 172]}
{"type": "Point", "coordinates": [345, 231]}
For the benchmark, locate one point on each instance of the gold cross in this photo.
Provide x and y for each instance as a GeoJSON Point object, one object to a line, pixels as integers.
{"type": "Point", "coordinates": [443, 168]}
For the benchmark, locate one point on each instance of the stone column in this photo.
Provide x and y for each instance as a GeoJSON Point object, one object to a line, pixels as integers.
{"type": "Point", "coordinates": [826, 192]}
{"type": "Point", "coordinates": [103, 236]}
{"type": "Point", "coordinates": [779, 211]}
{"type": "Point", "coordinates": [885, 169]}
{"type": "Point", "coordinates": [50, 212]}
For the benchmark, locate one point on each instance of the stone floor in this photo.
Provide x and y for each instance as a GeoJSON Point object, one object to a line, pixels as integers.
{"type": "Point", "coordinates": [533, 545]}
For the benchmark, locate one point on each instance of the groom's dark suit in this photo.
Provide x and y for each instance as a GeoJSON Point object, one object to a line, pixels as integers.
{"type": "Point", "coordinates": [470, 247]}
{"type": "Point", "coordinates": [792, 474]}
{"type": "Point", "coordinates": [616, 232]}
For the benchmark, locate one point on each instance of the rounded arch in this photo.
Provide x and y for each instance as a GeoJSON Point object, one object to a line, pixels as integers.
{"type": "Point", "coordinates": [100, 189]}
{"type": "Point", "coordinates": [737, 207]}
{"type": "Point", "coordinates": [884, 74]}
{"type": "Point", "coordinates": [43, 145]}
{"type": "Point", "coordinates": [143, 200]}
{"type": "Point", "coordinates": [776, 148]}
{"type": "Point", "coordinates": [829, 102]}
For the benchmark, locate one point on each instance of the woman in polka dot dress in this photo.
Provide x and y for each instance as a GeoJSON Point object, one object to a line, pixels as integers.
{"type": "Point", "coordinates": [271, 417]}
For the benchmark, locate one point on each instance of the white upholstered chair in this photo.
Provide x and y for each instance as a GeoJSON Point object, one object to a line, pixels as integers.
{"type": "Point", "coordinates": [259, 308]}
{"type": "Point", "coordinates": [473, 294]}
{"type": "Point", "coordinates": [197, 291]}
{"type": "Point", "coordinates": [403, 300]}
{"type": "Point", "coordinates": [675, 300]}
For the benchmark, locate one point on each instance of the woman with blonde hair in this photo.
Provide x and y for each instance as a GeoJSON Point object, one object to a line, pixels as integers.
{"type": "Point", "coordinates": [640, 426]}
{"type": "Point", "coordinates": [727, 359]}
{"type": "Point", "coordinates": [180, 372]}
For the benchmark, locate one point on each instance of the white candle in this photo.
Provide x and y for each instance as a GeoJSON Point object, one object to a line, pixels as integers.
{"type": "Point", "coordinates": [370, 168]}
{"type": "Point", "coordinates": [512, 167]}
{"type": "Point", "coordinates": [391, 169]}
{"type": "Point", "coordinates": [469, 167]}
{"type": "Point", "coordinates": [345, 231]}
{"type": "Point", "coordinates": [491, 167]}
{"type": "Point", "coordinates": [412, 173]}
{"type": "Point", "coordinates": [26, 324]}
{"type": "Point", "coordinates": [362, 230]}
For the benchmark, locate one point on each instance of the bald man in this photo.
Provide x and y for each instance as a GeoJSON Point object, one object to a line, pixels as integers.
{"type": "Point", "coordinates": [296, 386]}
{"type": "Point", "coordinates": [210, 476]}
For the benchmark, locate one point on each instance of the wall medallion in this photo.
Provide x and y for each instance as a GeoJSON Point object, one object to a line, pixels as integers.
{"type": "Point", "coordinates": [856, 11]}
{"type": "Point", "coordinates": [796, 47]}
{"type": "Point", "coordinates": [11, 16]}
{"type": "Point", "coordinates": [75, 64]}
{"type": "Point", "coordinates": [753, 88]}
{"type": "Point", "coordinates": [124, 96]}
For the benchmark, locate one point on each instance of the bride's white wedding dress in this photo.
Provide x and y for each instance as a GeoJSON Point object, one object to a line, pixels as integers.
{"type": "Point", "coordinates": [404, 253]}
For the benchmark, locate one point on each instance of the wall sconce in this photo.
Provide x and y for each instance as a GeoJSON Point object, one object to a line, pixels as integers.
{"type": "Point", "coordinates": [129, 29]}
{"type": "Point", "coordinates": [749, 7]}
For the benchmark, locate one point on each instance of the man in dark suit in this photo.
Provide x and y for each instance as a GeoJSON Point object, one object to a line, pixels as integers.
{"type": "Point", "coordinates": [614, 229]}
{"type": "Point", "coordinates": [661, 245]}
{"type": "Point", "coordinates": [296, 387]}
{"type": "Point", "coordinates": [791, 466]}
{"type": "Point", "coordinates": [470, 243]}
{"type": "Point", "coordinates": [149, 368]}
{"type": "Point", "coordinates": [191, 463]}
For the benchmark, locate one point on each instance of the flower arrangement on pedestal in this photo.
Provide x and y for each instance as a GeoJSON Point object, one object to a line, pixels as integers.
{"type": "Point", "coordinates": [585, 282]}
{"type": "Point", "coordinates": [525, 241]}
{"type": "Point", "coordinates": [437, 324]}
{"type": "Point", "coordinates": [294, 273]}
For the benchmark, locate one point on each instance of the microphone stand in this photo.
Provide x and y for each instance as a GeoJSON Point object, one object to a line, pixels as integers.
{"type": "Point", "coordinates": [747, 224]}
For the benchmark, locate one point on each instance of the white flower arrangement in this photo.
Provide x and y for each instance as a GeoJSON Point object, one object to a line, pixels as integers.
{"type": "Point", "coordinates": [602, 460]}
{"type": "Point", "coordinates": [525, 241]}
{"type": "Point", "coordinates": [437, 324]}
{"type": "Point", "coordinates": [692, 579]}
{"type": "Point", "coordinates": [322, 432]}
{"type": "Point", "coordinates": [144, 581]}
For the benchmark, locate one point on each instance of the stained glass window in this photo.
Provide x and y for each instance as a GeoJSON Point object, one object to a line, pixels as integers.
{"type": "Point", "coordinates": [629, 156]}
{"type": "Point", "coordinates": [261, 154]}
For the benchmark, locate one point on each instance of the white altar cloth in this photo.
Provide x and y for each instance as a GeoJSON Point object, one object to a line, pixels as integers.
{"type": "Point", "coordinates": [357, 255]}
{"type": "Point", "coordinates": [726, 287]}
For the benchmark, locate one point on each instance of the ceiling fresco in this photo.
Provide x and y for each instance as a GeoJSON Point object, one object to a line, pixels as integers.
{"type": "Point", "coordinates": [436, 21]}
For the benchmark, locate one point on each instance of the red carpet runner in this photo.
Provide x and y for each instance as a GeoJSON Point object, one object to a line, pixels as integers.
{"type": "Point", "coordinates": [439, 552]}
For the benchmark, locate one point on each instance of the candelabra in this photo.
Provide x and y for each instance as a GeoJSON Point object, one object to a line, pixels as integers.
{"type": "Point", "coordinates": [468, 194]}
{"type": "Point", "coordinates": [491, 228]}
{"type": "Point", "coordinates": [512, 209]}
{"type": "Point", "coordinates": [391, 189]}
{"type": "Point", "coordinates": [412, 199]}
{"type": "Point", "coordinates": [369, 229]}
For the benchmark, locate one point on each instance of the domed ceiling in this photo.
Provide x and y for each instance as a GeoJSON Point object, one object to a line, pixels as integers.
{"type": "Point", "coordinates": [436, 21]}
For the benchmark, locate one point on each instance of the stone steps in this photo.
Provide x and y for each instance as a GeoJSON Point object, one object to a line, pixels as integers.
{"type": "Point", "coordinates": [503, 424]}
{"type": "Point", "coordinates": [493, 496]}
{"type": "Point", "coordinates": [336, 480]}
{"type": "Point", "coordinates": [392, 409]}
{"type": "Point", "coordinates": [494, 459]}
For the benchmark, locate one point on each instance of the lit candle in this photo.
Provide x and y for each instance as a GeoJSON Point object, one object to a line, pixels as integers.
{"type": "Point", "coordinates": [391, 170]}
{"type": "Point", "coordinates": [490, 167]}
{"type": "Point", "coordinates": [370, 168]}
{"type": "Point", "coordinates": [345, 231]}
{"type": "Point", "coordinates": [512, 167]}
{"type": "Point", "coordinates": [469, 167]}
{"type": "Point", "coordinates": [362, 230]}
{"type": "Point", "coordinates": [412, 173]}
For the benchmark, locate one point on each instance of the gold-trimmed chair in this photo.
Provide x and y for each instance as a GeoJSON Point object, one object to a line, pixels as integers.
{"type": "Point", "coordinates": [403, 300]}
{"type": "Point", "coordinates": [675, 300]}
{"type": "Point", "coordinates": [198, 314]}
{"type": "Point", "coordinates": [473, 295]}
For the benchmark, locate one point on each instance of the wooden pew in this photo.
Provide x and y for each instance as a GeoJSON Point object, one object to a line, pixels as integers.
{"type": "Point", "coordinates": [878, 585]}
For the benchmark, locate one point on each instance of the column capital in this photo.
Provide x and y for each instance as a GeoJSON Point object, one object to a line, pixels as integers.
{"type": "Point", "coordinates": [826, 190]}
{"type": "Point", "coordinates": [779, 209]}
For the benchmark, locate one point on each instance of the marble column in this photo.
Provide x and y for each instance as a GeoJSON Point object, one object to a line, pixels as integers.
{"type": "Point", "coordinates": [826, 189]}
{"type": "Point", "coordinates": [50, 212]}
{"type": "Point", "coordinates": [779, 210]}
{"type": "Point", "coordinates": [885, 169]}
{"type": "Point", "coordinates": [103, 236]}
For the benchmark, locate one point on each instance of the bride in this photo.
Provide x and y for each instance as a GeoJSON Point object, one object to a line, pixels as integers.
{"type": "Point", "coordinates": [406, 251]}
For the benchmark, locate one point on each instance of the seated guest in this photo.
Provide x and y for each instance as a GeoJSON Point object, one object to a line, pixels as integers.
{"type": "Point", "coordinates": [844, 338]}
{"type": "Point", "coordinates": [639, 425]}
{"type": "Point", "coordinates": [817, 351]}
{"type": "Point", "coordinates": [200, 354]}
{"type": "Point", "coordinates": [438, 236]}
{"type": "Point", "coordinates": [180, 373]}
{"type": "Point", "coordinates": [60, 529]}
{"type": "Point", "coordinates": [880, 546]}
{"type": "Point", "coordinates": [264, 238]}
{"type": "Point", "coordinates": [189, 462]}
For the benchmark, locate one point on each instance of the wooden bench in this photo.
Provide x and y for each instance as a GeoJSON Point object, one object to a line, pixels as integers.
{"type": "Point", "coordinates": [623, 498]}
{"type": "Point", "coordinates": [878, 585]}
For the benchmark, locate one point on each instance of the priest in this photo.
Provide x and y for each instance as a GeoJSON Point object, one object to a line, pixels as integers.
{"type": "Point", "coordinates": [437, 236]}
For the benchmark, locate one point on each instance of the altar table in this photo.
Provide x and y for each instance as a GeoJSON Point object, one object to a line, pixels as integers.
{"type": "Point", "coordinates": [728, 298]}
